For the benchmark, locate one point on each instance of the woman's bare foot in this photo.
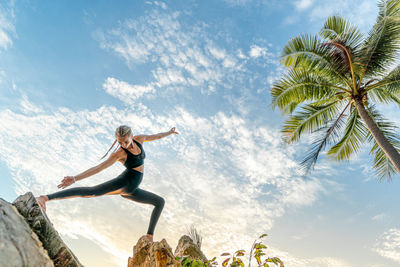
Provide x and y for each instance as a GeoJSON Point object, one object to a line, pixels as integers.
{"type": "Point", "coordinates": [42, 201]}
{"type": "Point", "coordinates": [149, 237]}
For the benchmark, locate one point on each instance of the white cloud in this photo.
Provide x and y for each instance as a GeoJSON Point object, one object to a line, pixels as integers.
{"type": "Point", "coordinates": [7, 28]}
{"type": "Point", "coordinates": [303, 4]}
{"type": "Point", "coordinates": [181, 55]}
{"type": "Point", "coordinates": [161, 4]}
{"type": "Point", "coordinates": [126, 92]}
{"type": "Point", "coordinates": [320, 10]}
{"type": "Point", "coordinates": [29, 108]}
{"type": "Point", "coordinates": [240, 54]}
{"type": "Point", "coordinates": [237, 2]}
{"type": "Point", "coordinates": [293, 261]}
{"type": "Point", "coordinates": [256, 51]}
{"type": "Point", "coordinates": [380, 217]}
{"type": "Point", "coordinates": [388, 245]}
{"type": "Point", "coordinates": [328, 262]}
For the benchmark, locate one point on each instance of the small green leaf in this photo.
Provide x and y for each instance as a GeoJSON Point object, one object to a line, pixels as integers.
{"type": "Point", "coordinates": [225, 262]}
{"type": "Point", "coordinates": [242, 250]}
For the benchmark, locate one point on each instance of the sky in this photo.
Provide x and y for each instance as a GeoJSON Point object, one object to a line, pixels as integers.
{"type": "Point", "coordinates": [72, 71]}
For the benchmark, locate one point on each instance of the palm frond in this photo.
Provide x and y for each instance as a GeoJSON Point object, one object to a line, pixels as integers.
{"type": "Point", "coordinates": [339, 29]}
{"type": "Point", "coordinates": [330, 134]}
{"type": "Point", "coordinates": [380, 95]}
{"type": "Point", "coordinates": [307, 52]}
{"type": "Point", "coordinates": [355, 135]}
{"type": "Point", "coordinates": [308, 119]}
{"type": "Point", "coordinates": [384, 168]}
{"type": "Point", "coordinates": [390, 83]}
{"type": "Point", "coordinates": [383, 42]}
{"type": "Point", "coordinates": [298, 86]}
{"type": "Point", "coordinates": [342, 55]}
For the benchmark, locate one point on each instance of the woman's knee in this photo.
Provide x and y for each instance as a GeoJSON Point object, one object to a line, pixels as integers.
{"type": "Point", "coordinates": [160, 202]}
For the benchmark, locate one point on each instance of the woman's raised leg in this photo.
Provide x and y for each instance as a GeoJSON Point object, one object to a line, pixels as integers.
{"type": "Point", "coordinates": [143, 196]}
{"type": "Point", "coordinates": [111, 187]}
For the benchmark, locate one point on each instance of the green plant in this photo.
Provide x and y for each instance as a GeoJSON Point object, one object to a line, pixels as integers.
{"type": "Point", "coordinates": [258, 253]}
{"type": "Point", "coordinates": [187, 261]}
{"type": "Point", "coordinates": [333, 78]}
{"type": "Point", "coordinates": [235, 260]}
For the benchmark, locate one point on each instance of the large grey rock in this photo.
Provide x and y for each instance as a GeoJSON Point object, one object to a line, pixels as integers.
{"type": "Point", "coordinates": [157, 254]}
{"type": "Point", "coordinates": [186, 247]}
{"type": "Point", "coordinates": [41, 225]}
{"type": "Point", "coordinates": [19, 245]}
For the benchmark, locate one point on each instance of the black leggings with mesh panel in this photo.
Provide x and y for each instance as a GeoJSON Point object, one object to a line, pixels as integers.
{"type": "Point", "coordinates": [128, 181]}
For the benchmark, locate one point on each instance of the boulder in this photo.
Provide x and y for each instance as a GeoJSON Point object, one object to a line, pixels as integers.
{"type": "Point", "coordinates": [156, 254]}
{"type": "Point", "coordinates": [19, 245]}
{"type": "Point", "coordinates": [38, 221]}
{"type": "Point", "coordinates": [186, 247]}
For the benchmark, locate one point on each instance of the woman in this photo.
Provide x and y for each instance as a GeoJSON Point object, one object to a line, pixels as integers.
{"type": "Point", "coordinates": [131, 155]}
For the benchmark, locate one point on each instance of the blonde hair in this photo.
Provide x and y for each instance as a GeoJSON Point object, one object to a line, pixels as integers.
{"type": "Point", "coordinates": [121, 131]}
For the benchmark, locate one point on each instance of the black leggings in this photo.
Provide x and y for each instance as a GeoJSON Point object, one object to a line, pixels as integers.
{"type": "Point", "coordinates": [128, 181]}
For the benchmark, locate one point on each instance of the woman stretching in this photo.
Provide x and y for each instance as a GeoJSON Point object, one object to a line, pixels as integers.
{"type": "Point", "coordinates": [131, 155]}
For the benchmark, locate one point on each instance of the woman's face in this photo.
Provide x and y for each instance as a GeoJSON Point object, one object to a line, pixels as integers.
{"type": "Point", "coordinates": [125, 141]}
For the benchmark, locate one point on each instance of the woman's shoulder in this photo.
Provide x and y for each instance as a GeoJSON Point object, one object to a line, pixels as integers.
{"type": "Point", "coordinates": [139, 139]}
{"type": "Point", "coordinates": [120, 152]}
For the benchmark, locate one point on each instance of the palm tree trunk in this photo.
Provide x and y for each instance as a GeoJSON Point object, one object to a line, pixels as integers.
{"type": "Point", "coordinates": [387, 147]}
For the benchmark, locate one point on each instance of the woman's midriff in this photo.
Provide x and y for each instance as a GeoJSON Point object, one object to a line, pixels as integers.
{"type": "Point", "coordinates": [139, 168]}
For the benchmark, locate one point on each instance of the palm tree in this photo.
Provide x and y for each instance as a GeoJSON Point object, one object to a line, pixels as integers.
{"type": "Point", "coordinates": [331, 84]}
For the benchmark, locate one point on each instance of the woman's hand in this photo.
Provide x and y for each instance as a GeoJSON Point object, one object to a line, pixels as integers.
{"type": "Point", "coordinates": [67, 181]}
{"type": "Point", "coordinates": [172, 131]}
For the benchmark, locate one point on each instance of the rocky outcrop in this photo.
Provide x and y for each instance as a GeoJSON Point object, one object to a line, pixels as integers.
{"type": "Point", "coordinates": [28, 238]}
{"type": "Point", "coordinates": [156, 254]}
{"type": "Point", "coordinates": [19, 245]}
{"type": "Point", "coordinates": [60, 254]}
{"type": "Point", "coordinates": [159, 254]}
{"type": "Point", "coordinates": [186, 247]}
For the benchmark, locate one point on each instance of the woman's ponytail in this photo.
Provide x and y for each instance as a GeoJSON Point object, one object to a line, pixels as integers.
{"type": "Point", "coordinates": [109, 149]}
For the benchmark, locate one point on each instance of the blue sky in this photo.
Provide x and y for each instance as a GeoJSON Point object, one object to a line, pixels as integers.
{"type": "Point", "coordinates": [72, 71]}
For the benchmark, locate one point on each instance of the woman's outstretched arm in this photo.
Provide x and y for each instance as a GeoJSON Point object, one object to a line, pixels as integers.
{"type": "Point", "coordinates": [68, 180]}
{"type": "Point", "coordinates": [152, 137]}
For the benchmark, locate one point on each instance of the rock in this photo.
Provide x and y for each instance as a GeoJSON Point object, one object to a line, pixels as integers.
{"type": "Point", "coordinates": [60, 254]}
{"type": "Point", "coordinates": [156, 254]}
{"type": "Point", "coordinates": [186, 247]}
{"type": "Point", "coordinates": [19, 245]}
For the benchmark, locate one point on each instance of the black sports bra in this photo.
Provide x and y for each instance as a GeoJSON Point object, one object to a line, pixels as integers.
{"type": "Point", "coordinates": [132, 160]}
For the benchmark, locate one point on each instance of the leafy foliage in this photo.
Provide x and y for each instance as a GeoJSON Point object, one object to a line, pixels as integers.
{"type": "Point", "coordinates": [330, 77]}
{"type": "Point", "coordinates": [383, 166]}
{"type": "Point", "coordinates": [235, 260]}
